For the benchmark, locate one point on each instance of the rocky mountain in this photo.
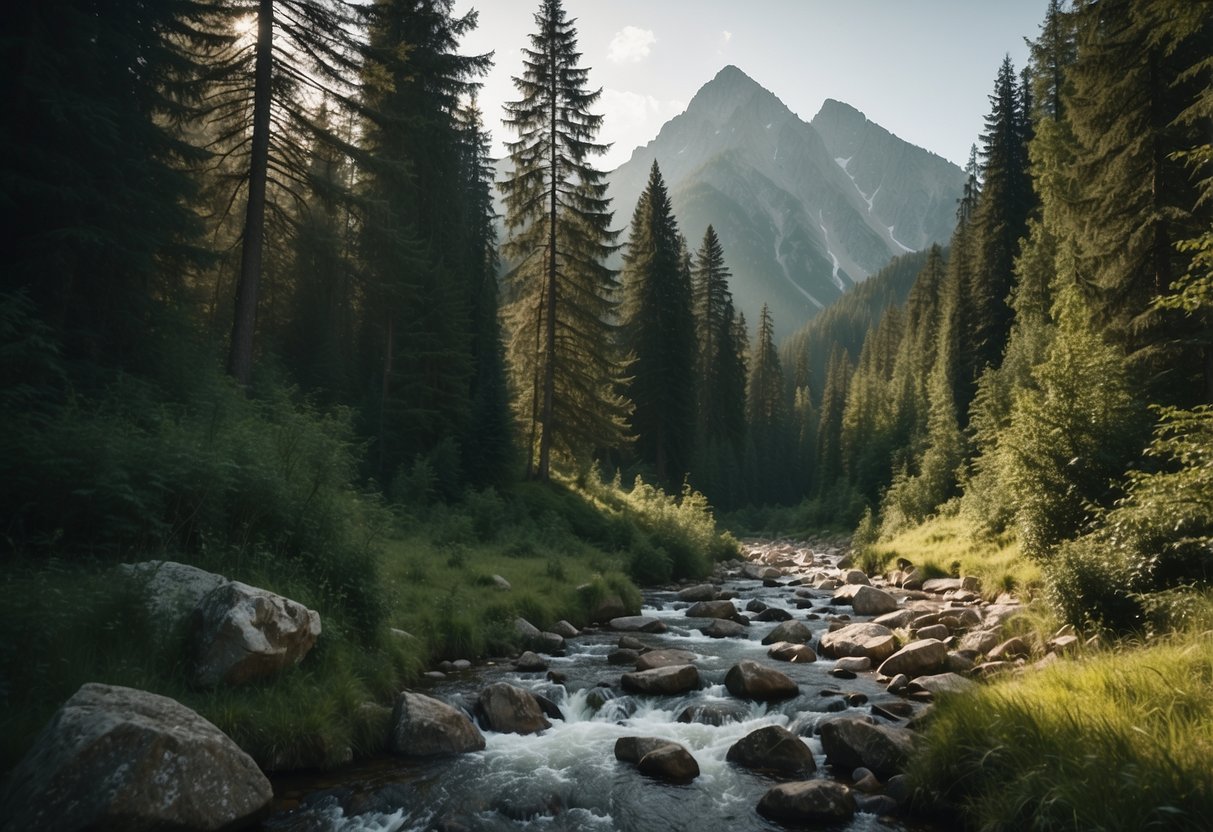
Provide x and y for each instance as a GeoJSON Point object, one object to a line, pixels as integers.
{"type": "Point", "coordinates": [804, 209]}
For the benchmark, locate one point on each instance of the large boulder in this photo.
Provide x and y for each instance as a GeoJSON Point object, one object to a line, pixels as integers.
{"type": "Point", "coordinates": [607, 608]}
{"type": "Point", "coordinates": [662, 681]}
{"type": "Point", "coordinates": [664, 658]}
{"type": "Point", "coordinates": [851, 742]}
{"type": "Point", "coordinates": [809, 802]}
{"type": "Point", "coordinates": [171, 590]}
{"type": "Point", "coordinates": [424, 727]}
{"type": "Point", "coordinates": [637, 624]}
{"type": "Point", "coordinates": [716, 609]}
{"type": "Point", "coordinates": [722, 628]}
{"type": "Point", "coordinates": [785, 651]}
{"type": "Point", "coordinates": [118, 758]}
{"type": "Point", "coordinates": [791, 631]}
{"type": "Point", "coordinates": [946, 683]}
{"type": "Point", "coordinates": [671, 763]}
{"type": "Point", "coordinates": [864, 639]}
{"type": "Point", "coordinates": [511, 710]}
{"type": "Point", "coordinates": [918, 658]}
{"type": "Point", "coordinates": [773, 749]}
{"type": "Point", "coordinates": [700, 592]}
{"type": "Point", "coordinates": [241, 633]}
{"type": "Point", "coordinates": [868, 600]}
{"type": "Point", "coordinates": [750, 680]}
{"type": "Point", "coordinates": [658, 758]}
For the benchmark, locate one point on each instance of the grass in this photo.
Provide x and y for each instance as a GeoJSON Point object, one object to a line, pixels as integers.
{"type": "Point", "coordinates": [944, 546]}
{"type": "Point", "coordinates": [1116, 740]}
{"type": "Point", "coordinates": [563, 548]}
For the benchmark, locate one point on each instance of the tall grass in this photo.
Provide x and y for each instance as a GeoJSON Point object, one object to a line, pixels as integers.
{"type": "Point", "coordinates": [1118, 740]}
{"type": "Point", "coordinates": [947, 545]}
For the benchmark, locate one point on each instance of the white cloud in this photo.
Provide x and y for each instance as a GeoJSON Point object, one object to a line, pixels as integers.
{"type": "Point", "coordinates": [632, 119]}
{"type": "Point", "coordinates": [725, 37]}
{"type": "Point", "coordinates": [631, 44]}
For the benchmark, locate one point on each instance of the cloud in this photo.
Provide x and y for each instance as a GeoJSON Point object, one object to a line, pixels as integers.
{"type": "Point", "coordinates": [725, 37]}
{"type": "Point", "coordinates": [633, 119]}
{"type": "Point", "coordinates": [631, 45]}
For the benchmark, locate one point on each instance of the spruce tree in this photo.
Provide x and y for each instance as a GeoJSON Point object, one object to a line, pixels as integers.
{"type": "Point", "coordinates": [562, 309]}
{"type": "Point", "coordinates": [829, 423]}
{"type": "Point", "coordinates": [659, 336]}
{"type": "Point", "coordinates": [419, 244]}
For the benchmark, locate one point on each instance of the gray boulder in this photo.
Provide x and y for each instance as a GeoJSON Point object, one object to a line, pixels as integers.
{"type": "Point", "coordinates": [171, 590]}
{"type": "Point", "coordinates": [809, 802]}
{"type": "Point", "coordinates": [700, 592]}
{"type": "Point", "coordinates": [750, 680]}
{"type": "Point", "coordinates": [716, 609]}
{"type": "Point", "coordinates": [241, 633]}
{"type": "Point", "coordinates": [863, 639]}
{"type": "Point", "coordinates": [775, 750]}
{"type": "Point", "coordinates": [637, 624]}
{"type": "Point", "coordinates": [424, 727]}
{"type": "Point", "coordinates": [868, 600]}
{"type": "Point", "coordinates": [662, 681]}
{"type": "Point", "coordinates": [530, 662]}
{"type": "Point", "coordinates": [785, 651]}
{"type": "Point", "coordinates": [947, 683]}
{"type": "Point", "coordinates": [851, 742]}
{"type": "Point", "coordinates": [855, 664]}
{"type": "Point", "coordinates": [671, 763]}
{"type": "Point", "coordinates": [664, 658]}
{"type": "Point", "coordinates": [792, 631]}
{"type": "Point", "coordinates": [511, 710]}
{"type": "Point", "coordinates": [118, 758]}
{"type": "Point", "coordinates": [564, 629]}
{"type": "Point", "coordinates": [918, 658]}
{"type": "Point", "coordinates": [720, 628]}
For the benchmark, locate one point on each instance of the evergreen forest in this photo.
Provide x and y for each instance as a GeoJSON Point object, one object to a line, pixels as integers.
{"type": "Point", "coordinates": [258, 314]}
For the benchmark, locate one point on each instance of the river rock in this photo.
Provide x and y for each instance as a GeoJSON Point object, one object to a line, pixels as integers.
{"type": "Point", "coordinates": [606, 609]}
{"type": "Point", "coordinates": [624, 655]}
{"type": "Point", "coordinates": [700, 592]}
{"type": "Point", "coordinates": [1009, 650]}
{"type": "Point", "coordinates": [851, 742]}
{"type": "Point", "coordinates": [949, 683]}
{"type": "Point", "coordinates": [716, 609]}
{"type": "Point", "coordinates": [511, 710]}
{"type": "Point", "coordinates": [862, 639]}
{"type": "Point", "coordinates": [750, 680]}
{"type": "Point", "coordinates": [942, 585]}
{"type": "Point", "coordinates": [978, 641]}
{"type": "Point", "coordinates": [792, 631]}
{"type": "Point", "coordinates": [116, 758]}
{"type": "Point", "coordinates": [659, 758]}
{"type": "Point", "coordinates": [530, 662]}
{"type": "Point", "coordinates": [754, 605]}
{"type": "Point", "coordinates": [713, 713]}
{"type": "Point", "coordinates": [854, 664]}
{"type": "Point", "coordinates": [528, 634]}
{"type": "Point", "coordinates": [638, 624]}
{"type": "Point", "coordinates": [664, 658]}
{"type": "Point", "coordinates": [855, 576]}
{"type": "Point", "coordinates": [868, 600]}
{"type": "Point", "coordinates": [721, 628]}
{"type": "Point", "coordinates": [936, 631]}
{"type": "Point", "coordinates": [500, 583]}
{"type": "Point", "coordinates": [424, 727]}
{"type": "Point", "coordinates": [671, 763]}
{"type": "Point", "coordinates": [918, 658]}
{"type": "Point", "coordinates": [241, 633]}
{"type": "Point", "coordinates": [809, 802]}
{"type": "Point", "coordinates": [1064, 644]}
{"type": "Point", "coordinates": [564, 629]}
{"type": "Point", "coordinates": [785, 651]}
{"type": "Point", "coordinates": [773, 614]}
{"type": "Point", "coordinates": [773, 749]}
{"type": "Point", "coordinates": [958, 662]}
{"type": "Point", "coordinates": [662, 681]}
{"type": "Point", "coordinates": [632, 643]}
{"type": "Point", "coordinates": [895, 620]}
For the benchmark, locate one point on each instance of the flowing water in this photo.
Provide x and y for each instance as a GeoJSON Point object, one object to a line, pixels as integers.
{"type": "Point", "coordinates": [567, 778]}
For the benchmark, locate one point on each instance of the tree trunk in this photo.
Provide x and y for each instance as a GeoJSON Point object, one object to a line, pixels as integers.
{"type": "Point", "coordinates": [240, 358]}
{"type": "Point", "coordinates": [549, 367]}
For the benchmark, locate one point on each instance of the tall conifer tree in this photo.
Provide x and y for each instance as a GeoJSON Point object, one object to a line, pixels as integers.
{"type": "Point", "coordinates": [562, 306]}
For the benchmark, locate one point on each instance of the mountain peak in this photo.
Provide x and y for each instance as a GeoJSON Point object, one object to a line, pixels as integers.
{"type": "Point", "coordinates": [833, 108]}
{"type": "Point", "coordinates": [729, 89]}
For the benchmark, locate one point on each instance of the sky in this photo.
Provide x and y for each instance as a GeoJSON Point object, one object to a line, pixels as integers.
{"type": "Point", "coordinates": [922, 69]}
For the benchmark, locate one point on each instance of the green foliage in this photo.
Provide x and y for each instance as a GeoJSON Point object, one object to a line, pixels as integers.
{"type": "Point", "coordinates": [1036, 752]}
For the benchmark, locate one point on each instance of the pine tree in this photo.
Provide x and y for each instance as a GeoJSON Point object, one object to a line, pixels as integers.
{"type": "Point", "coordinates": [829, 424]}
{"type": "Point", "coordinates": [1137, 73]}
{"type": "Point", "coordinates": [562, 306]}
{"type": "Point", "coordinates": [418, 234]}
{"type": "Point", "coordinates": [659, 336]}
{"type": "Point", "coordinates": [99, 228]}
{"type": "Point", "coordinates": [717, 412]}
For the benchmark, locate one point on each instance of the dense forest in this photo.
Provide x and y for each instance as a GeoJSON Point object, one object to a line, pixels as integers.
{"type": "Point", "coordinates": [258, 315]}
